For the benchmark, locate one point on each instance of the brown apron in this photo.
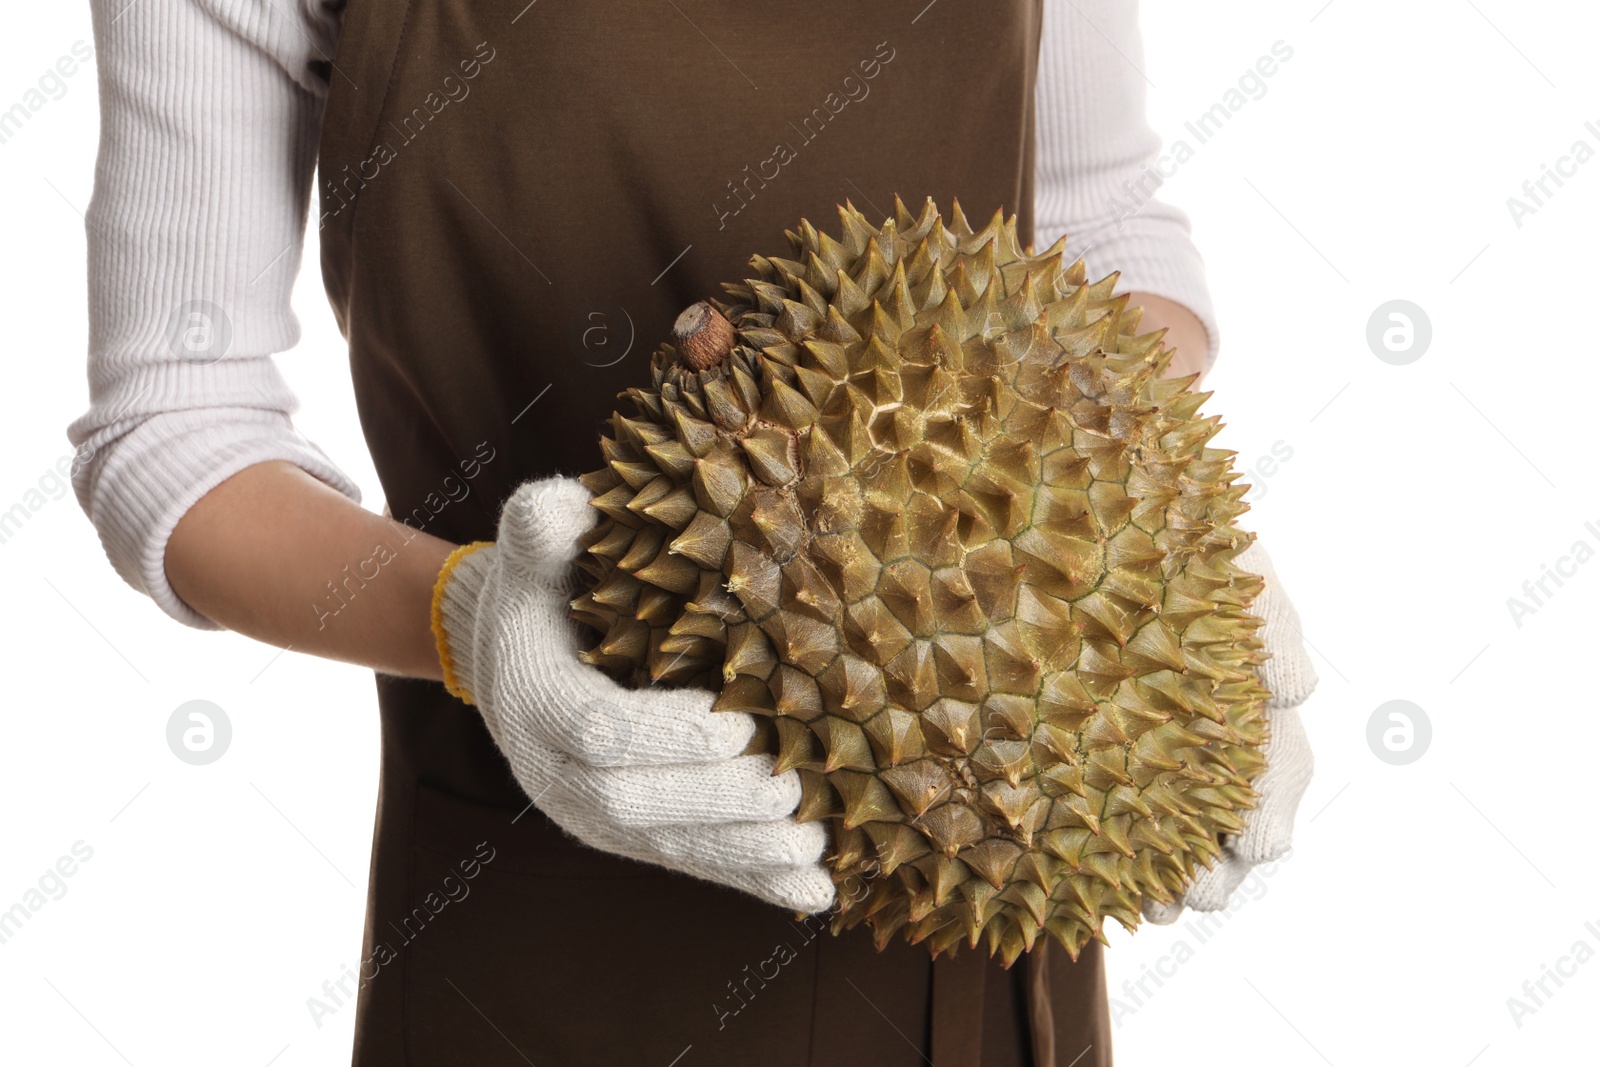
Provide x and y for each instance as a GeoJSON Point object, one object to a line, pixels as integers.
{"type": "Point", "coordinates": [517, 198]}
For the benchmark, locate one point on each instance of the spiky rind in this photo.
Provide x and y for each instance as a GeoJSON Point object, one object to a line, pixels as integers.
{"type": "Point", "coordinates": [942, 520]}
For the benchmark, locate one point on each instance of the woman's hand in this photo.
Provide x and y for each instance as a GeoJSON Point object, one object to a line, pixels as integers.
{"type": "Point", "coordinates": [652, 774]}
{"type": "Point", "coordinates": [1269, 826]}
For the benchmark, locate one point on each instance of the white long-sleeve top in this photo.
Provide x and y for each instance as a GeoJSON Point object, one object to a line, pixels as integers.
{"type": "Point", "coordinates": [210, 114]}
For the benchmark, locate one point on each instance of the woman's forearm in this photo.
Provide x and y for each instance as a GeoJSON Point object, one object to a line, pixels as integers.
{"type": "Point", "coordinates": [277, 555]}
{"type": "Point", "coordinates": [1185, 333]}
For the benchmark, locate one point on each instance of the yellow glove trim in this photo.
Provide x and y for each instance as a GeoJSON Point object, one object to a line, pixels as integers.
{"type": "Point", "coordinates": [441, 641]}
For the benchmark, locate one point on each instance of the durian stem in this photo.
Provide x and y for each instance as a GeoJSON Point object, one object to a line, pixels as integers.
{"type": "Point", "coordinates": [703, 337]}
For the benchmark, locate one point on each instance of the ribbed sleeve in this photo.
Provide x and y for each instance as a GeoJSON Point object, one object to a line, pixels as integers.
{"type": "Point", "coordinates": [210, 111]}
{"type": "Point", "coordinates": [1095, 147]}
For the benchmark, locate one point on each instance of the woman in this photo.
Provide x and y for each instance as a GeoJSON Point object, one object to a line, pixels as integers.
{"type": "Point", "coordinates": [509, 193]}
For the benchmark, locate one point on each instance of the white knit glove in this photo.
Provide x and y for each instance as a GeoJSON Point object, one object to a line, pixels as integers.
{"type": "Point", "coordinates": [1269, 826]}
{"type": "Point", "coordinates": [651, 774]}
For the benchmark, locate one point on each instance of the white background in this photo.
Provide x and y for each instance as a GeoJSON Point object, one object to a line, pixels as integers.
{"type": "Point", "coordinates": [1417, 500]}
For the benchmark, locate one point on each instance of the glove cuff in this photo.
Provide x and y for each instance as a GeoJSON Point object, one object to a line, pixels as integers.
{"type": "Point", "coordinates": [455, 600]}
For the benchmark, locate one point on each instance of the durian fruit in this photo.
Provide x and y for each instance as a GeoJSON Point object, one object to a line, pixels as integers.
{"type": "Point", "coordinates": [922, 500]}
